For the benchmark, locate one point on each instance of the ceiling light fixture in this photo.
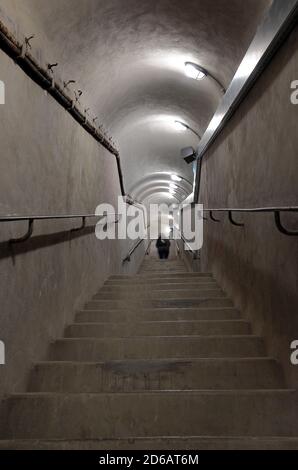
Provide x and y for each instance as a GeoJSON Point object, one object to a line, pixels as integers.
{"type": "Point", "coordinates": [194, 71]}
{"type": "Point", "coordinates": [197, 72]}
{"type": "Point", "coordinates": [176, 178]}
{"type": "Point", "coordinates": [180, 126]}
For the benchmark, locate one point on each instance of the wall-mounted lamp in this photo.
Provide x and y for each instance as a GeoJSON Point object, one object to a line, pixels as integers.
{"type": "Point", "coordinates": [176, 178]}
{"type": "Point", "coordinates": [197, 72]}
{"type": "Point", "coordinates": [182, 126]}
{"type": "Point", "coordinates": [194, 71]}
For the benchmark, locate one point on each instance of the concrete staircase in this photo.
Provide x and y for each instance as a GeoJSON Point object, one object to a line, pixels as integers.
{"type": "Point", "coordinates": [160, 360]}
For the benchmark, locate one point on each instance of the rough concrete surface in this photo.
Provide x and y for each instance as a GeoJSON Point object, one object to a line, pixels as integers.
{"type": "Point", "coordinates": [49, 165]}
{"type": "Point", "coordinates": [254, 163]}
{"type": "Point", "coordinates": [128, 58]}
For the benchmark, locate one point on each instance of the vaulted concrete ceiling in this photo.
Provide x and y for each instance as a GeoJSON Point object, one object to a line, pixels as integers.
{"type": "Point", "coordinates": [128, 57]}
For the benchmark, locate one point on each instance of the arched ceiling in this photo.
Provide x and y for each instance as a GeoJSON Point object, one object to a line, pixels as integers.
{"type": "Point", "coordinates": [128, 58]}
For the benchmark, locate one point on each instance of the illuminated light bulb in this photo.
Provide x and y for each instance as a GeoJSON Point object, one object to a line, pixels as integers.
{"type": "Point", "coordinates": [179, 126]}
{"type": "Point", "coordinates": [194, 72]}
{"type": "Point", "coordinates": [176, 178]}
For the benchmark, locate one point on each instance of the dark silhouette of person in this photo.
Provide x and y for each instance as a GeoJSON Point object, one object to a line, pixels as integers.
{"type": "Point", "coordinates": [163, 247]}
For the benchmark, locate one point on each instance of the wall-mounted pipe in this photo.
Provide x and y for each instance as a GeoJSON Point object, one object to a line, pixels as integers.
{"type": "Point", "coordinates": [44, 78]}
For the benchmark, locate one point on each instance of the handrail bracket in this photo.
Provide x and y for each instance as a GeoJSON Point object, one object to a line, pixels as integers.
{"type": "Point", "coordinates": [232, 221]}
{"type": "Point", "coordinates": [212, 217]}
{"type": "Point", "coordinates": [280, 226]}
{"type": "Point", "coordinates": [27, 235]}
{"type": "Point", "coordinates": [81, 227]}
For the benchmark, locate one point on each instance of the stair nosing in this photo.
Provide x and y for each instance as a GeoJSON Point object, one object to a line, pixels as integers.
{"type": "Point", "coordinates": [247, 359]}
{"type": "Point", "coordinates": [153, 438]}
{"type": "Point", "coordinates": [188, 298]}
{"type": "Point", "coordinates": [175, 322]}
{"type": "Point", "coordinates": [157, 308]}
{"type": "Point", "coordinates": [160, 336]}
{"type": "Point", "coordinates": [244, 392]}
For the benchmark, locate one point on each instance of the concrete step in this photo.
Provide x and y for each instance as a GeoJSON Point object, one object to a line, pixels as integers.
{"type": "Point", "coordinates": [156, 314]}
{"type": "Point", "coordinates": [157, 295]}
{"type": "Point", "coordinates": [204, 302]}
{"type": "Point", "coordinates": [166, 328]}
{"type": "Point", "coordinates": [144, 286]}
{"type": "Point", "coordinates": [160, 281]}
{"type": "Point", "coordinates": [157, 443]}
{"type": "Point", "coordinates": [145, 271]}
{"type": "Point", "coordinates": [166, 374]}
{"type": "Point", "coordinates": [187, 275]}
{"type": "Point", "coordinates": [156, 347]}
{"type": "Point", "coordinates": [158, 273]}
{"type": "Point", "coordinates": [154, 269]}
{"type": "Point", "coordinates": [158, 268]}
{"type": "Point", "coordinates": [157, 260]}
{"type": "Point", "coordinates": [148, 414]}
{"type": "Point", "coordinates": [163, 264]}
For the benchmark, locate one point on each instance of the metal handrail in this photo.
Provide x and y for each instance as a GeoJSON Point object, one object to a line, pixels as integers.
{"type": "Point", "coordinates": [256, 209]}
{"type": "Point", "coordinates": [177, 247]}
{"type": "Point", "coordinates": [275, 210]}
{"type": "Point", "coordinates": [135, 247]}
{"type": "Point", "coordinates": [131, 252]}
{"type": "Point", "coordinates": [185, 242]}
{"type": "Point", "coordinates": [148, 248]}
{"type": "Point", "coordinates": [32, 218]}
{"type": "Point", "coordinates": [16, 218]}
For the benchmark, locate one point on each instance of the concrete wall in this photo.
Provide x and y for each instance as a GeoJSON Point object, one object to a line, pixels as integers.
{"type": "Point", "coordinates": [48, 165]}
{"type": "Point", "coordinates": [254, 163]}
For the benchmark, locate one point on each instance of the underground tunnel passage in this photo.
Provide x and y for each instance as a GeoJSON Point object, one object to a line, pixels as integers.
{"type": "Point", "coordinates": [149, 224]}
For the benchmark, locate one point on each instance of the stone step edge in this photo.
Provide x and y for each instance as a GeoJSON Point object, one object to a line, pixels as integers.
{"type": "Point", "coordinates": [146, 293]}
{"type": "Point", "coordinates": [205, 286]}
{"type": "Point", "coordinates": [83, 338]}
{"type": "Point", "coordinates": [146, 309]}
{"type": "Point", "coordinates": [150, 443]}
{"type": "Point", "coordinates": [154, 438]}
{"type": "Point", "coordinates": [180, 392]}
{"type": "Point", "coordinates": [156, 283]}
{"type": "Point", "coordinates": [140, 300]}
{"type": "Point", "coordinates": [248, 360]}
{"type": "Point", "coordinates": [170, 274]}
{"type": "Point", "coordinates": [158, 322]}
{"type": "Point", "coordinates": [165, 279]}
